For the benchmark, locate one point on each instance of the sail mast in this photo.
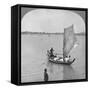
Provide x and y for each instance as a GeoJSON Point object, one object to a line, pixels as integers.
{"type": "Point", "coordinates": [68, 41]}
{"type": "Point", "coordinates": [64, 45]}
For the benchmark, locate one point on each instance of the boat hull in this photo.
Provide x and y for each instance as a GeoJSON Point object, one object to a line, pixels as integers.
{"type": "Point", "coordinates": [62, 62]}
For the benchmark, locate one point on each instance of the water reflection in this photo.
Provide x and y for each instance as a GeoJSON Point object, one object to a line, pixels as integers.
{"type": "Point", "coordinates": [55, 71]}
{"type": "Point", "coordinates": [68, 72]}
{"type": "Point", "coordinates": [61, 72]}
{"type": "Point", "coordinates": [50, 66]}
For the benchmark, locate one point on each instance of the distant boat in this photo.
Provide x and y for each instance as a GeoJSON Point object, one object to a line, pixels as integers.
{"type": "Point", "coordinates": [69, 42]}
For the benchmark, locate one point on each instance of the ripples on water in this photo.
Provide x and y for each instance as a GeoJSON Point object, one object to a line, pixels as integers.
{"type": "Point", "coordinates": [34, 59]}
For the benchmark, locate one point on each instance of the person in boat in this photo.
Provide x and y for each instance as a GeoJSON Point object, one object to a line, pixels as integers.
{"type": "Point", "coordinates": [51, 53]}
{"type": "Point", "coordinates": [67, 58]}
{"type": "Point", "coordinates": [45, 75]}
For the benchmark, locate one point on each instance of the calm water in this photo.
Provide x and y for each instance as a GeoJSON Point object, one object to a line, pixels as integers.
{"type": "Point", "coordinates": [34, 59]}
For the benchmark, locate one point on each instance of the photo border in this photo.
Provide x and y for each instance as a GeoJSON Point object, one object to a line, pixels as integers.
{"type": "Point", "coordinates": [19, 43]}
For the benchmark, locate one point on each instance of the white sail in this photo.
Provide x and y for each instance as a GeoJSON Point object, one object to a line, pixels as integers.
{"type": "Point", "coordinates": [69, 40]}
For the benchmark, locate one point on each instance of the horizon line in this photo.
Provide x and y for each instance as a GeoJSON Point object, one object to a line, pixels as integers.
{"type": "Point", "coordinates": [27, 32]}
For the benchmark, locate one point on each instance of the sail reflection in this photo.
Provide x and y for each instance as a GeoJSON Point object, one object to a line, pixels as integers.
{"type": "Point", "coordinates": [69, 73]}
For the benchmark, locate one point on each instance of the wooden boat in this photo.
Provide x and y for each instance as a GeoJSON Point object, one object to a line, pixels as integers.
{"type": "Point", "coordinates": [68, 44]}
{"type": "Point", "coordinates": [61, 62]}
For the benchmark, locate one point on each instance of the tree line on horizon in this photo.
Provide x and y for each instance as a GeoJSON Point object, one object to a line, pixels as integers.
{"type": "Point", "coordinates": [27, 32]}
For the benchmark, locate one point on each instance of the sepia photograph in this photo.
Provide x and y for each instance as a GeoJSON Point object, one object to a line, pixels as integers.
{"type": "Point", "coordinates": [53, 44]}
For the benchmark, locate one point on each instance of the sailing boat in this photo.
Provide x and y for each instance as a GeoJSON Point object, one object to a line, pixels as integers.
{"type": "Point", "coordinates": [68, 44]}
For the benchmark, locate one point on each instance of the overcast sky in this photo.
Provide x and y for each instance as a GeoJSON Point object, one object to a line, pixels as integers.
{"type": "Point", "coordinates": [51, 20]}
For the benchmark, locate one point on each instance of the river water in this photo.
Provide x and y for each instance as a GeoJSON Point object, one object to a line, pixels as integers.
{"type": "Point", "coordinates": [34, 58]}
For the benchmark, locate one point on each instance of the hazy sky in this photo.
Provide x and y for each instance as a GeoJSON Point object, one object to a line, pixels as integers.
{"type": "Point", "coordinates": [51, 20]}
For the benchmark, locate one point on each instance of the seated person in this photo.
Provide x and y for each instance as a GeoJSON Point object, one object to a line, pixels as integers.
{"type": "Point", "coordinates": [67, 59]}
{"type": "Point", "coordinates": [51, 53]}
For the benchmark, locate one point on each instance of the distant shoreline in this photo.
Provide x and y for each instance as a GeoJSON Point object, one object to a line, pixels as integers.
{"type": "Point", "coordinates": [43, 33]}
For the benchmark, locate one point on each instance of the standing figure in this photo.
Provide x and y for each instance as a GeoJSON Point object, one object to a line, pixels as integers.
{"type": "Point", "coordinates": [45, 75]}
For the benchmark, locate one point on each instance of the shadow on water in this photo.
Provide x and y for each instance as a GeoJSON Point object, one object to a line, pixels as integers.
{"type": "Point", "coordinates": [67, 71]}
